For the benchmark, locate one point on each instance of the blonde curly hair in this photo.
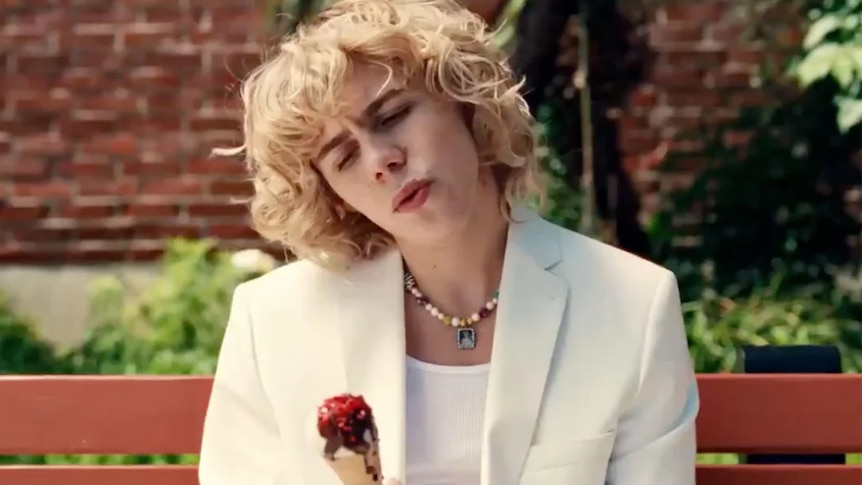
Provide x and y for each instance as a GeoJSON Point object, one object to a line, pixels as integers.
{"type": "Point", "coordinates": [287, 98]}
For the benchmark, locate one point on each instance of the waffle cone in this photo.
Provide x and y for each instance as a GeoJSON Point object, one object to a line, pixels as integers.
{"type": "Point", "coordinates": [358, 469]}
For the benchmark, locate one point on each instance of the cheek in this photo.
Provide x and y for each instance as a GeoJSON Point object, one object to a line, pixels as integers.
{"type": "Point", "coordinates": [441, 137]}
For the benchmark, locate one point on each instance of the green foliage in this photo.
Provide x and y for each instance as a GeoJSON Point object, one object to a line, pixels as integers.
{"type": "Point", "coordinates": [174, 326]}
{"type": "Point", "coordinates": [833, 48]}
{"type": "Point", "coordinates": [22, 351]}
{"type": "Point", "coordinates": [773, 204]}
{"type": "Point", "coordinates": [717, 325]}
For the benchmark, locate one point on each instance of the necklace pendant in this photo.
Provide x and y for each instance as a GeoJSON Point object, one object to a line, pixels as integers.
{"type": "Point", "coordinates": [466, 338]}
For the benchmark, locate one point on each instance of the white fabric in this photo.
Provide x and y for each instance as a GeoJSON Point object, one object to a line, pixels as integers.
{"type": "Point", "coordinates": [590, 381]}
{"type": "Point", "coordinates": [445, 415]}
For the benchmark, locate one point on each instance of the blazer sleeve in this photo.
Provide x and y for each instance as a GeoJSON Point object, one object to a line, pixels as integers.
{"type": "Point", "coordinates": [656, 443]}
{"type": "Point", "coordinates": [240, 438]}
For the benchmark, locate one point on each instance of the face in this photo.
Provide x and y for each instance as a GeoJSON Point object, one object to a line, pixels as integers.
{"type": "Point", "coordinates": [401, 157]}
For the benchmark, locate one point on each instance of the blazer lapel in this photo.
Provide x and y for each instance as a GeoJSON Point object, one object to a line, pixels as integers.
{"type": "Point", "coordinates": [371, 315]}
{"type": "Point", "coordinates": [532, 301]}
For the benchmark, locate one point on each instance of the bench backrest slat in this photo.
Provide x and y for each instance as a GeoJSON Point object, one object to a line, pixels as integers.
{"type": "Point", "coordinates": [164, 415]}
{"type": "Point", "coordinates": [777, 475]}
{"type": "Point", "coordinates": [99, 475]}
{"type": "Point", "coordinates": [102, 414]}
{"type": "Point", "coordinates": [763, 413]}
{"type": "Point", "coordinates": [187, 475]}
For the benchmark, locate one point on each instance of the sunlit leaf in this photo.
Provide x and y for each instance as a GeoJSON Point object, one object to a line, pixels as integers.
{"type": "Point", "coordinates": [818, 63]}
{"type": "Point", "coordinates": [820, 29]}
{"type": "Point", "coordinates": [849, 113]}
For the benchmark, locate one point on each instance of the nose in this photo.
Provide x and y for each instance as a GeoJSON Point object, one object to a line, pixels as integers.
{"type": "Point", "coordinates": [389, 158]}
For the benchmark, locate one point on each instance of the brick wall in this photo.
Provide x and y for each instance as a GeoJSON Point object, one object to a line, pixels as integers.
{"type": "Point", "coordinates": [109, 108]}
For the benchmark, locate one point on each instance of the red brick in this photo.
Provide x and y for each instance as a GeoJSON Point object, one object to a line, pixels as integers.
{"type": "Point", "coordinates": [749, 98]}
{"type": "Point", "coordinates": [700, 56]}
{"type": "Point", "coordinates": [173, 187]}
{"type": "Point", "coordinates": [78, 78]}
{"type": "Point", "coordinates": [82, 211]}
{"type": "Point", "coordinates": [150, 168]}
{"type": "Point", "coordinates": [643, 96]}
{"type": "Point", "coordinates": [685, 77]}
{"type": "Point", "coordinates": [154, 127]}
{"type": "Point", "coordinates": [162, 231]}
{"type": "Point", "coordinates": [186, 59]}
{"type": "Point", "coordinates": [93, 35]}
{"type": "Point", "coordinates": [700, 99]}
{"type": "Point", "coordinates": [18, 168]}
{"type": "Point", "coordinates": [147, 35]}
{"type": "Point", "coordinates": [42, 234]}
{"type": "Point", "coordinates": [109, 102]}
{"type": "Point", "coordinates": [242, 189]}
{"type": "Point", "coordinates": [104, 233]}
{"type": "Point", "coordinates": [217, 166]}
{"type": "Point", "coordinates": [232, 231]}
{"type": "Point", "coordinates": [151, 210]}
{"type": "Point", "coordinates": [224, 208]}
{"type": "Point", "coordinates": [225, 122]}
{"type": "Point", "coordinates": [16, 214]}
{"type": "Point", "coordinates": [730, 79]}
{"type": "Point", "coordinates": [83, 170]}
{"type": "Point", "coordinates": [745, 55]}
{"type": "Point", "coordinates": [703, 12]}
{"type": "Point", "coordinates": [87, 127]}
{"type": "Point", "coordinates": [42, 189]}
{"type": "Point", "coordinates": [41, 63]}
{"type": "Point", "coordinates": [44, 144]}
{"type": "Point", "coordinates": [639, 141]}
{"type": "Point", "coordinates": [152, 77]}
{"type": "Point", "coordinates": [676, 32]}
{"type": "Point", "coordinates": [111, 187]}
{"type": "Point", "coordinates": [93, 255]}
{"type": "Point", "coordinates": [37, 101]}
{"type": "Point", "coordinates": [113, 144]}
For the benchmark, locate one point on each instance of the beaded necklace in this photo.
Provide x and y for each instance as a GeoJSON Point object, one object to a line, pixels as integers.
{"type": "Point", "coordinates": [465, 335]}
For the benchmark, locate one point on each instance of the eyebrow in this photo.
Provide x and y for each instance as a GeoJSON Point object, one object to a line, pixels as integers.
{"type": "Point", "coordinates": [369, 111]}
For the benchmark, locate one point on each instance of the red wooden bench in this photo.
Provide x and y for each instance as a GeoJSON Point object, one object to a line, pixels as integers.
{"type": "Point", "coordinates": [741, 413]}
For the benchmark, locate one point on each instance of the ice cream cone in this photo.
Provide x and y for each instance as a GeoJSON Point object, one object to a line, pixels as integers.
{"type": "Point", "coordinates": [358, 469]}
{"type": "Point", "coordinates": [343, 431]}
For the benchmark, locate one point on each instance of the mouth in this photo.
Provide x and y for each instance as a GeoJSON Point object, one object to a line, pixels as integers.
{"type": "Point", "coordinates": [411, 196]}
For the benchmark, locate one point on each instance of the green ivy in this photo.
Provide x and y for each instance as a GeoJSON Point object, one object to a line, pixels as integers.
{"type": "Point", "coordinates": [833, 48]}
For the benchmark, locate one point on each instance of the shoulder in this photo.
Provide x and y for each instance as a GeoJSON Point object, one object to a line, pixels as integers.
{"type": "Point", "coordinates": [291, 275]}
{"type": "Point", "coordinates": [585, 257]}
{"type": "Point", "coordinates": [285, 290]}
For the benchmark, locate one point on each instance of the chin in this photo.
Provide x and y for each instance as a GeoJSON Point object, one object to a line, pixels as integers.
{"type": "Point", "coordinates": [432, 228]}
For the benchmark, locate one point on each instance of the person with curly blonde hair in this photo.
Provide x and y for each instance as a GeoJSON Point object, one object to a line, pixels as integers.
{"type": "Point", "coordinates": [392, 153]}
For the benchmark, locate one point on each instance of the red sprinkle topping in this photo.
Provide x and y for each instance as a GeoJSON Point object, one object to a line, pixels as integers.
{"type": "Point", "coordinates": [347, 417]}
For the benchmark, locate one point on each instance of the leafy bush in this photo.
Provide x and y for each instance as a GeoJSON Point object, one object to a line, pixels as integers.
{"type": "Point", "coordinates": [22, 351]}
{"type": "Point", "coordinates": [173, 327]}
{"type": "Point", "coordinates": [833, 49]}
{"type": "Point", "coordinates": [718, 325]}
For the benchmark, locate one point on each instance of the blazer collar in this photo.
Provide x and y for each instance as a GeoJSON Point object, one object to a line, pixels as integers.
{"type": "Point", "coordinates": [532, 301]}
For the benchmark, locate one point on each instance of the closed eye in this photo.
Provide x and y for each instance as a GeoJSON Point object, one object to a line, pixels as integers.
{"type": "Point", "coordinates": [347, 158]}
{"type": "Point", "coordinates": [396, 116]}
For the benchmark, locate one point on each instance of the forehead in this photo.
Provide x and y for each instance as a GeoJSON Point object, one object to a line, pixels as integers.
{"type": "Point", "coordinates": [363, 91]}
{"type": "Point", "coordinates": [366, 83]}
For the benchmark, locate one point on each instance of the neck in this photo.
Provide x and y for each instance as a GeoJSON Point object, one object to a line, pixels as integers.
{"type": "Point", "coordinates": [463, 273]}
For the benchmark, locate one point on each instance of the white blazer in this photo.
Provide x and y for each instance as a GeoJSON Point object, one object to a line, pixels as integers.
{"type": "Point", "coordinates": [590, 381]}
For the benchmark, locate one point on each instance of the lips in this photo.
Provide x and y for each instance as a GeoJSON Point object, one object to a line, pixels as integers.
{"type": "Point", "coordinates": [411, 196]}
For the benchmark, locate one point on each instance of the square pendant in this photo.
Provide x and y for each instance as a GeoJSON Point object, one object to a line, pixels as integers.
{"type": "Point", "coordinates": [466, 338]}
